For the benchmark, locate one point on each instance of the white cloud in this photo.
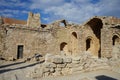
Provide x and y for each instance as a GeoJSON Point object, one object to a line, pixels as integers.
{"type": "Point", "coordinates": [13, 3]}
{"type": "Point", "coordinates": [81, 10]}
{"type": "Point", "coordinates": [43, 4]}
{"type": "Point", "coordinates": [72, 10]}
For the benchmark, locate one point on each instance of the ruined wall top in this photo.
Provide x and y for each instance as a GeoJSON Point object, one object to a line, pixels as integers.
{"type": "Point", "coordinates": [106, 21]}
{"type": "Point", "coordinates": [33, 20]}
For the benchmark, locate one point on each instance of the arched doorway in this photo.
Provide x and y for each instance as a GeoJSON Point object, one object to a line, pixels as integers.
{"type": "Point", "coordinates": [96, 25]}
{"type": "Point", "coordinates": [116, 47]}
{"type": "Point", "coordinates": [64, 47]}
{"type": "Point", "coordinates": [90, 45]}
{"type": "Point", "coordinates": [74, 43]}
{"type": "Point", "coordinates": [115, 40]}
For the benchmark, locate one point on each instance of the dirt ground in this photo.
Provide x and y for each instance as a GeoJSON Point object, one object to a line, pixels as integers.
{"type": "Point", "coordinates": [18, 70]}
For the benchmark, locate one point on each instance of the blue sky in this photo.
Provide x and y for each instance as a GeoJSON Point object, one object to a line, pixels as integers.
{"type": "Point", "coordinates": [77, 11]}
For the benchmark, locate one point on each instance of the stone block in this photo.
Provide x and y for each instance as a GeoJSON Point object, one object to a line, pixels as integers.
{"type": "Point", "coordinates": [57, 73]}
{"type": "Point", "coordinates": [57, 60]}
{"type": "Point", "coordinates": [66, 71]}
{"type": "Point", "coordinates": [49, 65]}
{"type": "Point", "coordinates": [46, 69]}
{"type": "Point", "coordinates": [67, 60]}
{"type": "Point", "coordinates": [76, 58]}
{"type": "Point", "coordinates": [69, 66]}
{"type": "Point", "coordinates": [46, 74]}
{"type": "Point", "coordinates": [48, 58]}
{"type": "Point", "coordinates": [58, 69]}
{"type": "Point", "coordinates": [75, 62]}
{"type": "Point", "coordinates": [52, 70]}
{"type": "Point", "coordinates": [77, 69]}
{"type": "Point", "coordinates": [61, 65]}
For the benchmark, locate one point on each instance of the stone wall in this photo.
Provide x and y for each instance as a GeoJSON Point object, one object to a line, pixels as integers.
{"type": "Point", "coordinates": [33, 42]}
{"type": "Point", "coordinates": [94, 36]}
{"type": "Point", "coordinates": [107, 41]}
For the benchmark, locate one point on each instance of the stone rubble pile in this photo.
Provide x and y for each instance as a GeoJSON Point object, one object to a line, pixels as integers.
{"type": "Point", "coordinates": [63, 65]}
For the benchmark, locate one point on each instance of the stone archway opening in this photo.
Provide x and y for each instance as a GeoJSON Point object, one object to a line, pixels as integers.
{"type": "Point", "coordinates": [64, 47]}
{"type": "Point", "coordinates": [88, 44]}
{"type": "Point", "coordinates": [96, 25]}
{"type": "Point", "coordinates": [74, 34]}
{"type": "Point", "coordinates": [115, 40]}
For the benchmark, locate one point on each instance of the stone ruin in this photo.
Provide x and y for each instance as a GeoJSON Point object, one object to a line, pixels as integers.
{"type": "Point", "coordinates": [66, 48]}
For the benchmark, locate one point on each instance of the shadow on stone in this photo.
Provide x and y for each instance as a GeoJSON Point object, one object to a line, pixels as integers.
{"type": "Point", "coordinates": [103, 77]}
{"type": "Point", "coordinates": [21, 67]}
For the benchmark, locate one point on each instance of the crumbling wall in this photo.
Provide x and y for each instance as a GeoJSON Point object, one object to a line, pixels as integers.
{"type": "Point", "coordinates": [107, 41]}
{"type": "Point", "coordinates": [33, 20]}
{"type": "Point", "coordinates": [54, 38]}
{"type": "Point", "coordinates": [63, 65]}
{"type": "Point", "coordinates": [93, 46]}
{"type": "Point", "coordinates": [33, 42]}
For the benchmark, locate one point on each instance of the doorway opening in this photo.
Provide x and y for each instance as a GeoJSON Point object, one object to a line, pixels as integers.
{"type": "Point", "coordinates": [88, 44]}
{"type": "Point", "coordinates": [115, 40]}
{"type": "Point", "coordinates": [19, 51]}
{"type": "Point", "coordinates": [63, 46]}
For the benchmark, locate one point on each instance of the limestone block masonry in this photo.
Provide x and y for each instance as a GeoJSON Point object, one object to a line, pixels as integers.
{"type": "Point", "coordinates": [24, 39]}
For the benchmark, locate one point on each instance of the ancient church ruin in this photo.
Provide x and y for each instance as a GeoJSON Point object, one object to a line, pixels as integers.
{"type": "Point", "coordinates": [22, 39]}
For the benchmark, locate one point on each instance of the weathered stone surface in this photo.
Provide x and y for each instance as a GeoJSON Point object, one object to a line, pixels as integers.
{"type": "Point", "coordinates": [58, 69]}
{"type": "Point", "coordinates": [49, 65]}
{"type": "Point", "coordinates": [61, 65]}
{"type": "Point", "coordinates": [71, 39]}
{"type": "Point", "coordinates": [52, 70]}
{"type": "Point", "coordinates": [46, 69]}
{"type": "Point", "coordinates": [76, 62]}
{"type": "Point", "coordinates": [57, 73]}
{"type": "Point", "coordinates": [69, 65]}
{"type": "Point", "coordinates": [48, 58]}
{"type": "Point", "coordinates": [66, 71]}
{"type": "Point", "coordinates": [76, 58]}
{"type": "Point", "coordinates": [33, 20]}
{"type": "Point", "coordinates": [57, 60]}
{"type": "Point", "coordinates": [77, 69]}
{"type": "Point", "coordinates": [67, 60]}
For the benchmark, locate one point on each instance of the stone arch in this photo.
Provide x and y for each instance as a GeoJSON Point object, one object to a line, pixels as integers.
{"type": "Point", "coordinates": [90, 46]}
{"type": "Point", "coordinates": [64, 47]}
{"type": "Point", "coordinates": [89, 43]}
{"type": "Point", "coordinates": [115, 40]}
{"type": "Point", "coordinates": [96, 25]}
{"type": "Point", "coordinates": [74, 43]}
{"type": "Point", "coordinates": [74, 34]}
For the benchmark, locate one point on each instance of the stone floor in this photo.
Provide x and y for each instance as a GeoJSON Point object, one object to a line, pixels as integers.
{"type": "Point", "coordinates": [18, 70]}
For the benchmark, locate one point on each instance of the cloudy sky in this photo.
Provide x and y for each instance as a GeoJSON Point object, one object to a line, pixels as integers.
{"type": "Point", "coordinates": [77, 11]}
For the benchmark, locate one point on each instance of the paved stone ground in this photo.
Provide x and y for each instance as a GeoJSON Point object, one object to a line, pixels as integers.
{"type": "Point", "coordinates": [17, 71]}
{"type": "Point", "coordinates": [94, 75]}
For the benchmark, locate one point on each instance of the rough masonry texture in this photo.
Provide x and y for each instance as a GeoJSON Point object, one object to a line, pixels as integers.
{"type": "Point", "coordinates": [23, 39]}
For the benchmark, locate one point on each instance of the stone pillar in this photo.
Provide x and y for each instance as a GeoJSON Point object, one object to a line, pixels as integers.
{"type": "Point", "coordinates": [106, 43]}
{"type": "Point", "coordinates": [33, 20]}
